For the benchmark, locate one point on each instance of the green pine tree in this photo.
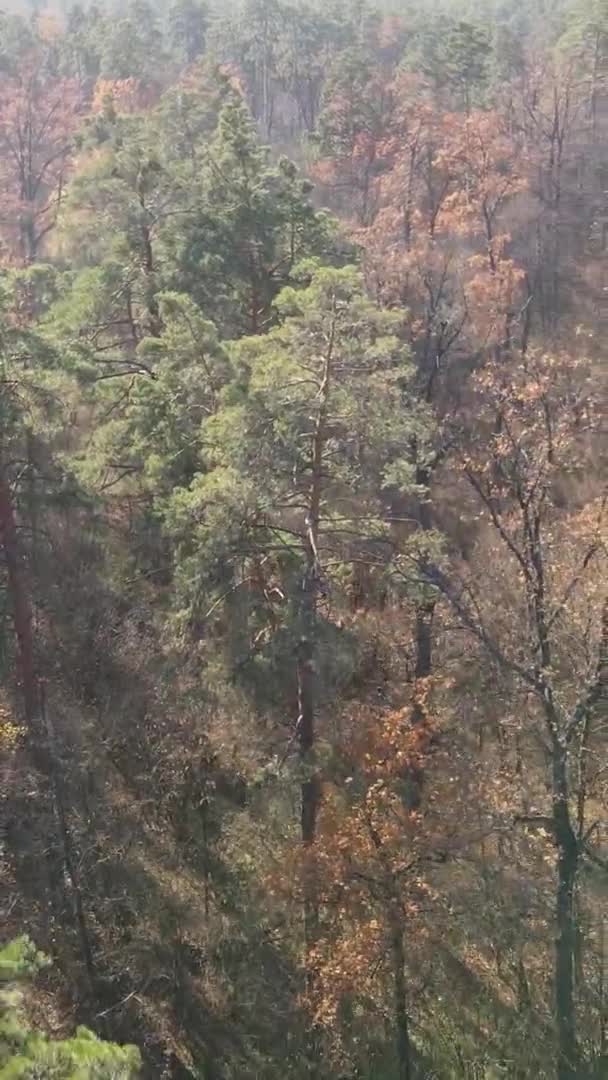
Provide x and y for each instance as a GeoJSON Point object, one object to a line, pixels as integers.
{"type": "Point", "coordinates": [29, 1054]}
{"type": "Point", "coordinates": [252, 223]}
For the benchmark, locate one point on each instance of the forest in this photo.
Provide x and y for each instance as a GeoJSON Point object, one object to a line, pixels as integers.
{"type": "Point", "coordinates": [303, 540]}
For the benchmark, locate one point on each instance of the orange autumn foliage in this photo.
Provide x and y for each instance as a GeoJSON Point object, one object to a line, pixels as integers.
{"type": "Point", "coordinates": [370, 854]}
{"type": "Point", "coordinates": [436, 243]}
{"type": "Point", "coordinates": [124, 95]}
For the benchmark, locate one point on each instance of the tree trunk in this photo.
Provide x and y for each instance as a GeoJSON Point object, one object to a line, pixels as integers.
{"type": "Point", "coordinates": [425, 611]}
{"type": "Point", "coordinates": [306, 723]}
{"type": "Point", "coordinates": [306, 668]}
{"type": "Point", "coordinates": [306, 655]}
{"type": "Point", "coordinates": [426, 607]}
{"type": "Point", "coordinates": [39, 730]}
{"type": "Point", "coordinates": [565, 942]}
{"type": "Point", "coordinates": [308, 611]}
{"type": "Point", "coordinates": [22, 620]}
{"type": "Point", "coordinates": [67, 846]}
{"type": "Point", "coordinates": [564, 964]}
{"type": "Point", "coordinates": [154, 319]}
{"type": "Point", "coordinates": [29, 240]}
{"type": "Point", "coordinates": [403, 1045]}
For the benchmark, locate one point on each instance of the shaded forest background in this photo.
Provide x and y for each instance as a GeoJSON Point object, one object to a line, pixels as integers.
{"type": "Point", "coordinates": [303, 610]}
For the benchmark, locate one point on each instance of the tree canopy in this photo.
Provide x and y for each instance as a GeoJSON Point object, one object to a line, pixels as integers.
{"type": "Point", "coordinates": [303, 620]}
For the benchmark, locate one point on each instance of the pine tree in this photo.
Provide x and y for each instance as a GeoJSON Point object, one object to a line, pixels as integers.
{"type": "Point", "coordinates": [187, 28]}
{"type": "Point", "coordinates": [25, 1052]}
{"type": "Point", "coordinates": [252, 223]}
